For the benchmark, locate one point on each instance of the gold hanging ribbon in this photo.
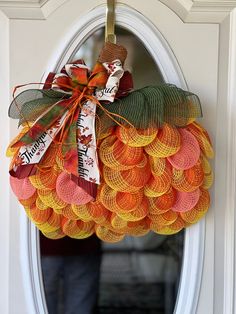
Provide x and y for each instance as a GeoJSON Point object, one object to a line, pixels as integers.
{"type": "Point", "coordinates": [110, 22]}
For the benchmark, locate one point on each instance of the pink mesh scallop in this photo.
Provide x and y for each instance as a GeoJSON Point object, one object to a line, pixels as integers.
{"type": "Point", "coordinates": [22, 188]}
{"type": "Point", "coordinates": [70, 192]}
{"type": "Point", "coordinates": [186, 200]}
{"type": "Point", "coordinates": [189, 152]}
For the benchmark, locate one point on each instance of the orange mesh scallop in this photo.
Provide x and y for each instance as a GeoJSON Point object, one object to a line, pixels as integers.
{"type": "Point", "coordinates": [69, 213]}
{"type": "Point", "coordinates": [136, 137]}
{"type": "Point", "coordinates": [77, 229]}
{"type": "Point", "coordinates": [108, 235]}
{"type": "Point", "coordinates": [161, 204]}
{"type": "Point", "coordinates": [119, 201]}
{"type": "Point", "coordinates": [125, 181]}
{"type": "Point", "coordinates": [29, 201]}
{"type": "Point", "coordinates": [44, 180]}
{"type": "Point", "coordinates": [49, 158]}
{"type": "Point", "coordinates": [51, 199]}
{"type": "Point", "coordinates": [70, 192]}
{"type": "Point", "coordinates": [39, 216]}
{"type": "Point", "coordinates": [22, 188]}
{"type": "Point", "coordinates": [188, 180]}
{"type": "Point", "coordinates": [116, 155]}
{"type": "Point", "coordinates": [166, 143]}
{"type": "Point", "coordinates": [203, 139]}
{"type": "Point", "coordinates": [137, 214]}
{"type": "Point", "coordinates": [138, 228]}
{"type": "Point", "coordinates": [185, 200]}
{"type": "Point", "coordinates": [98, 212]}
{"type": "Point", "coordinates": [52, 224]}
{"type": "Point", "coordinates": [189, 152]}
{"type": "Point", "coordinates": [160, 182]}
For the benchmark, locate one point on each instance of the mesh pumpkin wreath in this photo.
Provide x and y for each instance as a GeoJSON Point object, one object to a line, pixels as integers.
{"type": "Point", "coordinates": [94, 156]}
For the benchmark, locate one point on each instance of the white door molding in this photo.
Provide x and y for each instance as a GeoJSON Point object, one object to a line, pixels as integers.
{"type": "Point", "coordinates": [4, 140]}
{"type": "Point", "coordinates": [227, 164]}
{"type": "Point", "coordinates": [222, 225]}
{"type": "Point", "coordinates": [193, 11]}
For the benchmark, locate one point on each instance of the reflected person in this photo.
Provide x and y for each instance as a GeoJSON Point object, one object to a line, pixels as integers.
{"type": "Point", "coordinates": [71, 268]}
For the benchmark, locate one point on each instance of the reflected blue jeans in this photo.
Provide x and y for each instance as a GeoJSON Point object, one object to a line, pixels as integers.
{"type": "Point", "coordinates": [79, 276]}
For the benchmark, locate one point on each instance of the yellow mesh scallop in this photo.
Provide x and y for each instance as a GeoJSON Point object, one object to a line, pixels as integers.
{"type": "Point", "coordinates": [177, 226]}
{"type": "Point", "coordinates": [158, 185]}
{"type": "Point", "coordinates": [69, 213]}
{"type": "Point", "coordinates": [57, 168]}
{"type": "Point", "coordinates": [158, 165]}
{"type": "Point", "coordinates": [208, 180]}
{"type": "Point", "coordinates": [116, 155]}
{"type": "Point", "coordinates": [208, 174]}
{"type": "Point", "coordinates": [108, 235]}
{"type": "Point", "coordinates": [188, 180]}
{"type": "Point", "coordinates": [165, 219]}
{"type": "Point", "coordinates": [82, 211]}
{"type": "Point", "coordinates": [51, 199]}
{"type": "Point", "coordinates": [203, 139]}
{"type": "Point", "coordinates": [166, 143]}
{"type": "Point", "coordinates": [12, 151]}
{"type": "Point", "coordinates": [40, 205]}
{"type": "Point", "coordinates": [117, 222]}
{"type": "Point", "coordinates": [78, 229]}
{"type": "Point", "coordinates": [136, 137]}
{"type": "Point", "coordinates": [54, 235]}
{"type": "Point", "coordinates": [59, 165]}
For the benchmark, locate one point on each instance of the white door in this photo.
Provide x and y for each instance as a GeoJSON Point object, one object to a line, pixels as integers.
{"type": "Point", "coordinates": [194, 45]}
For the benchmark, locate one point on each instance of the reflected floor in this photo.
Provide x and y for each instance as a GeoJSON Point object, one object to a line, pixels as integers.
{"type": "Point", "coordinates": [136, 297]}
{"type": "Point", "coordinates": [141, 280]}
{"type": "Point", "coordinates": [139, 275]}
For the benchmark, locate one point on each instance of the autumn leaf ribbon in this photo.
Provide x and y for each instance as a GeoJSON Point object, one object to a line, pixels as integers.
{"type": "Point", "coordinates": [52, 113]}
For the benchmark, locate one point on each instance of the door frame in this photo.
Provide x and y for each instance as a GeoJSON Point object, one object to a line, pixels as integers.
{"type": "Point", "coordinates": [220, 12]}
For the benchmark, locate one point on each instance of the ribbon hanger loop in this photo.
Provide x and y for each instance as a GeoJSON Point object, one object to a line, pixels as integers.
{"type": "Point", "coordinates": [110, 22]}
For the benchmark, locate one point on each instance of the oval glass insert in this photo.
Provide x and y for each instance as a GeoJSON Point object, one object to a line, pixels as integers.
{"type": "Point", "coordinates": [137, 275]}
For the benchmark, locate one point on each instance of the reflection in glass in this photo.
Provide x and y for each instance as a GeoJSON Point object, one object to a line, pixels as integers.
{"type": "Point", "coordinates": [138, 275]}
